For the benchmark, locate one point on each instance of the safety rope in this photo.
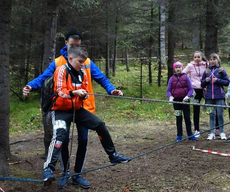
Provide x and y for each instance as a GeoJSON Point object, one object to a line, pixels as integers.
{"type": "Point", "coordinates": [142, 154]}
{"type": "Point", "coordinates": [155, 149]}
{"type": "Point", "coordinates": [158, 101]}
{"type": "Point", "coordinates": [1, 189]}
{"type": "Point", "coordinates": [113, 164]}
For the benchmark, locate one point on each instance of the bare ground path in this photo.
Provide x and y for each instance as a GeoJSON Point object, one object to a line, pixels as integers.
{"type": "Point", "coordinates": [175, 168]}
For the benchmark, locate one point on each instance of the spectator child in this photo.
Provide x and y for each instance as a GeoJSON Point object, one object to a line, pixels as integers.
{"type": "Point", "coordinates": [214, 79]}
{"type": "Point", "coordinates": [180, 89]}
{"type": "Point", "coordinates": [196, 69]}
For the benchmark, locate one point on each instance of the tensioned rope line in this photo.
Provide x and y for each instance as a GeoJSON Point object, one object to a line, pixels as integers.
{"type": "Point", "coordinates": [158, 101]}
{"type": "Point", "coordinates": [113, 164]}
{"type": "Point", "coordinates": [154, 149]}
{"type": "Point", "coordinates": [140, 155]}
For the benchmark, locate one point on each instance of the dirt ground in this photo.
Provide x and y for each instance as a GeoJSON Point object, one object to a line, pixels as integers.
{"type": "Point", "coordinates": [174, 168]}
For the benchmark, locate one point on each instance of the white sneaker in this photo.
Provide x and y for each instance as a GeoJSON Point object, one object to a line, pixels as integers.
{"type": "Point", "coordinates": [223, 136]}
{"type": "Point", "coordinates": [211, 136]}
{"type": "Point", "coordinates": [197, 134]}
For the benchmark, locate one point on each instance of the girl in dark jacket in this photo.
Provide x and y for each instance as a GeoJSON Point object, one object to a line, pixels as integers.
{"type": "Point", "coordinates": [180, 89]}
{"type": "Point", "coordinates": [213, 80]}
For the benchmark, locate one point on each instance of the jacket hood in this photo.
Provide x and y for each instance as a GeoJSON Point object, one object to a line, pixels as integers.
{"type": "Point", "coordinates": [64, 52]}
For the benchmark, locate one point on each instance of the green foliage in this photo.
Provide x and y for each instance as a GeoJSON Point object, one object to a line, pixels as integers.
{"type": "Point", "coordinates": [123, 110]}
{"type": "Point", "coordinates": [25, 116]}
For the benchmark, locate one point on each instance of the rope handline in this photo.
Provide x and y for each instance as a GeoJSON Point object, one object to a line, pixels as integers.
{"type": "Point", "coordinates": [142, 154]}
{"type": "Point", "coordinates": [110, 165]}
{"type": "Point", "coordinates": [158, 101]}
{"type": "Point", "coordinates": [146, 153]}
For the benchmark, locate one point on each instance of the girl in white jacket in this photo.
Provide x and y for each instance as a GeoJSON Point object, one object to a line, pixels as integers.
{"type": "Point", "coordinates": [196, 69]}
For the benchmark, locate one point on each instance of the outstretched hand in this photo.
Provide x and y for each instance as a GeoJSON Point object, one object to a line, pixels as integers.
{"type": "Point", "coordinates": [117, 92]}
{"type": "Point", "coordinates": [26, 90]}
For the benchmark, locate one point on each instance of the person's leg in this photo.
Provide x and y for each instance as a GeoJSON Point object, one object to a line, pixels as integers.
{"type": "Point", "coordinates": [220, 114]}
{"type": "Point", "coordinates": [82, 148]}
{"type": "Point", "coordinates": [178, 114]}
{"type": "Point", "coordinates": [65, 151]}
{"type": "Point", "coordinates": [48, 129]}
{"type": "Point", "coordinates": [212, 118]}
{"type": "Point", "coordinates": [90, 121]}
{"type": "Point", "coordinates": [59, 136]}
{"type": "Point", "coordinates": [186, 112]}
{"type": "Point", "coordinates": [80, 157]}
{"type": "Point", "coordinates": [196, 109]}
{"type": "Point", "coordinates": [63, 181]}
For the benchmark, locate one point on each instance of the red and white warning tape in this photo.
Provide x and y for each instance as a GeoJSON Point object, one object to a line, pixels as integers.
{"type": "Point", "coordinates": [1, 189]}
{"type": "Point", "coordinates": [211, 152]}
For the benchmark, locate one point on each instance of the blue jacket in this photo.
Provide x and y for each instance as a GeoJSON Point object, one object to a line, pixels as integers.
{"type": "Point", "coordinates": [215, 90]}
{"type": "Point", "coordinates": [96, 74]}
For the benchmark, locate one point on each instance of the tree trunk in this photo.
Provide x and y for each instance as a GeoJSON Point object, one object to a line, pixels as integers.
{"type": "Point", "coordinates": [171, 39]}
{"type": "Point", "coordinates": [115, 44]}
{"type": "Point", "coordinates": [162, 63]}
{"type": "Point", "coordinates": [5, 13]}
{"type": "Point", "coordinates": [50, 33]}
{"type": "Point", "coordinates": [28, 62]}
{"type": "Point", "coordinates": [150, 46]}
{"type": "Point", "coordinates": [211, 27]}
{"type": "Point", "coordinates": [127, 60]}
{"type": "Point", "coordinates": [107, 40]}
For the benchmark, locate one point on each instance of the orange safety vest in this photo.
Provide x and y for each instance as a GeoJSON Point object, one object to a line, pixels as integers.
{"type": "Point", "coordinates": [88, 104]}
{"type": "Point", "coordinates": [66, 102]}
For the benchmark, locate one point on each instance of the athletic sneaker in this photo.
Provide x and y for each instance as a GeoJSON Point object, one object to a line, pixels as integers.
{"type": "Point", "coordinates": [197, 134]}
{"type": "Point", "coordinates": [78, 180]}
{"type": "Point", "coordinates": [193, 138]}
{"type": "Point", "coordinates": [211, 136]}
{"type": "Point", "coordinates": [48, 176]}
{"type": "Point", "coordinates": [228, 139]}
{"type": "Point", "coordinates": [179, 138]}
{"type": "Point", "coordinates": [223, 136]}
{"type": "Point", "coordinates": [63, 181]}
{"type": "Point", "coordinates": [117, 158]}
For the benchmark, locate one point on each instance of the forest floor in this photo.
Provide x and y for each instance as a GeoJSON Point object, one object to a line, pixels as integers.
{"type": "Point", "coordinates": [174, 168]}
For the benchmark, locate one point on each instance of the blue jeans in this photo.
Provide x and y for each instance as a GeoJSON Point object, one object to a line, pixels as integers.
{"type": "Point", "coordinates": [220, 114]}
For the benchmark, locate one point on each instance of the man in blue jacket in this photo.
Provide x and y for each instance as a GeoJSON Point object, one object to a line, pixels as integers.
{"type": "Point", "coordinates": [73, 38]}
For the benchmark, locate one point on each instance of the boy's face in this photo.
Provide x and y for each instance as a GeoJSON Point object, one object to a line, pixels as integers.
{"type": "Point", "coordinates": [197, 57]}
{"type": "Point", "coordinates": [73, 42]}
{"type": "Point", "coordinates": [178, 69]}
{"type": "Point", "coordinates": [77, 62]}
{"type": "Point", "coordinates": [213, 61]}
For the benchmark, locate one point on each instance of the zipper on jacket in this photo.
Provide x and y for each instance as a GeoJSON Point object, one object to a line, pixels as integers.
{"type": "Point", "coordinates": [212, 85]}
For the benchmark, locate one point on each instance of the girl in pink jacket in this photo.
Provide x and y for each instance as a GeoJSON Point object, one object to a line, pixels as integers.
{"type": "Point", "coordinates": [196, 69]}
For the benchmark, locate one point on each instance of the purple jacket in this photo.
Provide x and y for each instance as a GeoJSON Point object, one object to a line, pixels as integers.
{"type": "Point", "coordinates": [215, 90]}
{"type": "Point", "coordinates": [179, 86]}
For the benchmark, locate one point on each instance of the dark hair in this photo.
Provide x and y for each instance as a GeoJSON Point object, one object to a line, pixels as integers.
{"type": "Point", "coordinates": [76, 51]}
{"type": "Point", "coordinates": [73, 34]}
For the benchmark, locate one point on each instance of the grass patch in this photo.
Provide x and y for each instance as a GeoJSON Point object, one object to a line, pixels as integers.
{"type": "Point", "coordinates": [25, 116]}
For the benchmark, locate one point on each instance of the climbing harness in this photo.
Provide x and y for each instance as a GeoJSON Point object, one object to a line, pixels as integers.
{"type": "Point", "coordinates": [211, 152]}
